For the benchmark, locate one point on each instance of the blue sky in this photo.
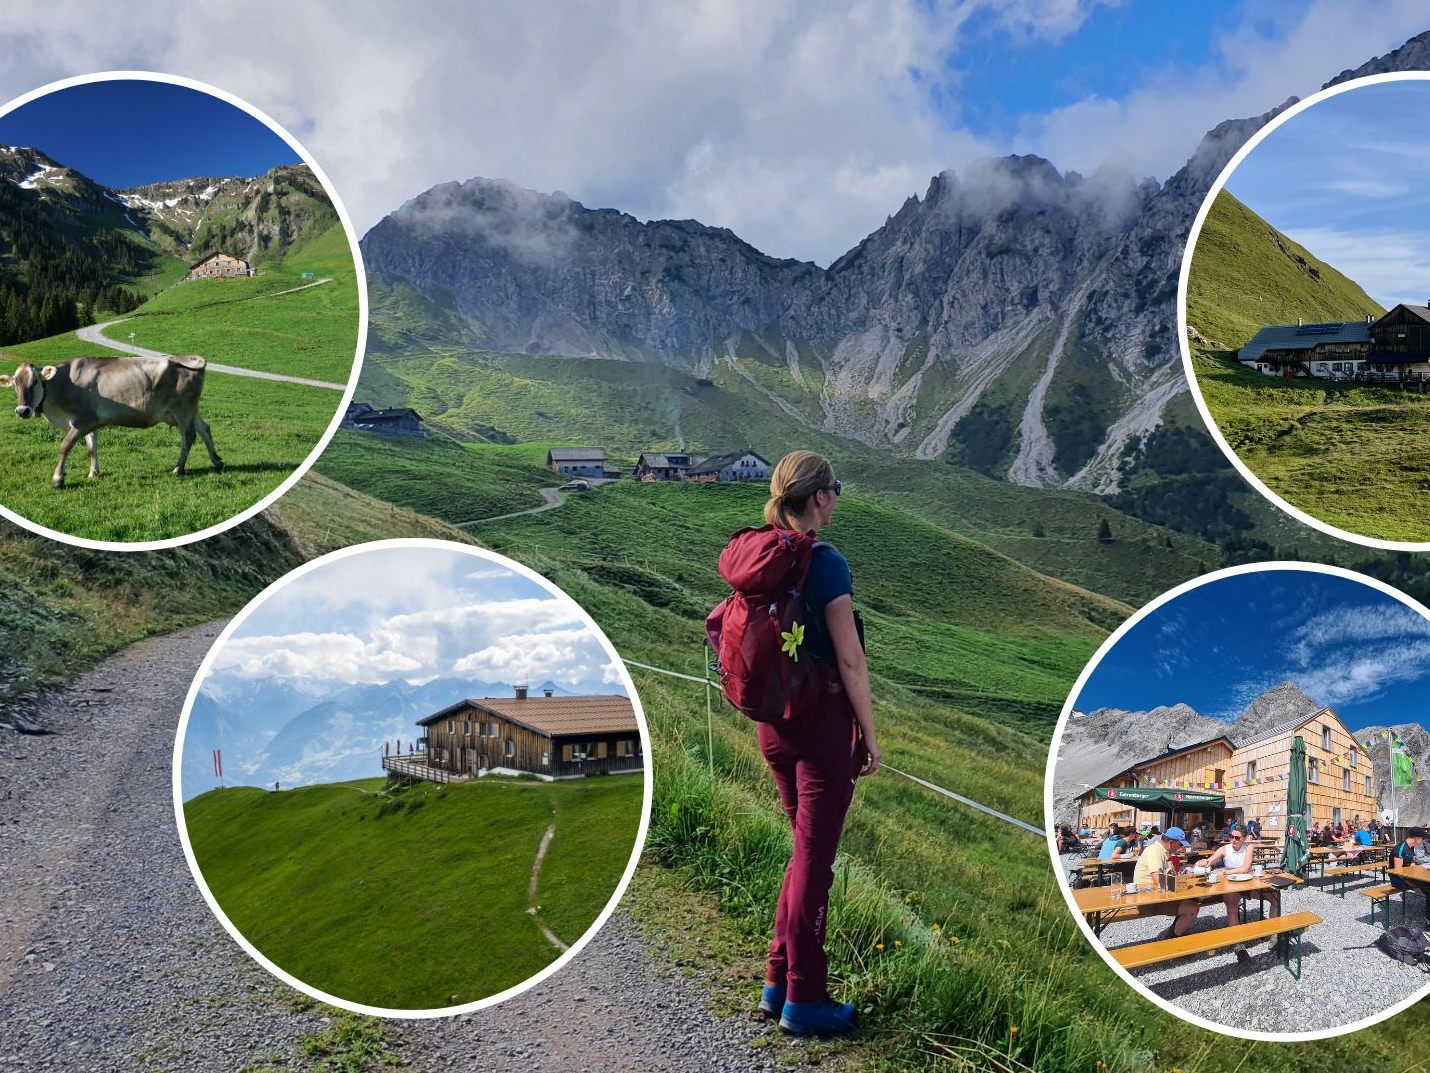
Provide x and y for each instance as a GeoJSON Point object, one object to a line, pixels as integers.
{"type": "Point", "coordinates": [416, 614]}
{"type": "Point", "coordinates": [1349, 179]}
{"type": "Point", "coordinates": [800, 125]}
{"type": "Point", "coordinates": [129, 132]}
{"type": "Point", "coordinates": [1216, 648]}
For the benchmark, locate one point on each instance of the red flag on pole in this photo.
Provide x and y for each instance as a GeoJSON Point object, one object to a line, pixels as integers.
{"type": "Point", "coordinates": [218, 764]}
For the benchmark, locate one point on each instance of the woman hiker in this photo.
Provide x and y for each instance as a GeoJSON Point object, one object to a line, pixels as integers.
{"type": "Point", "coordinates": [816, 756]}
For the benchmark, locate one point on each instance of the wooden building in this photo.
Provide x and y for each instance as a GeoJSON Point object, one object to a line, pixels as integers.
{"type": "Point", "coordinates": [219, 266]}
{"type": "Point", "coordinates": [547, 736]}
{"type": "Point", "coordinates": [739, 466]}
{"type": "Point", "coordinates": [577, 461]}
{"type": "Point", "coordinates": [401, 421]}
{"type": "Point", "coordinates": [1336, 350]}
{"type": "Point", "coordinates": [665, 466]}
{"type": "Point", "coordinates": [1400, 342]}
{"type": "Point", "coordinates": [1244, 780]}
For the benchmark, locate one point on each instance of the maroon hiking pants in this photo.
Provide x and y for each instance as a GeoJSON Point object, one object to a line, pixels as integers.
{"type": "Point", "coordinates": [814, 760]}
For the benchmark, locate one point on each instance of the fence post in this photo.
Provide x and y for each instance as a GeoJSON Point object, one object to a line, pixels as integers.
{"type": "Point", "coordinates": [709, 710]}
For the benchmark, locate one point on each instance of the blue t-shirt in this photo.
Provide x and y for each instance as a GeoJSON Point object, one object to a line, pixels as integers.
{"type": "Point", "coordinates": [827, 580]}
{"type": "Point", "coordinates": [1110, 846]}
{"type": "Point", "coordinates": [1362, 838]}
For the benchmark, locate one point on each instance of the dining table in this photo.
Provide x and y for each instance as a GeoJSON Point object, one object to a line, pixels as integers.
{"type": "Point", "coordinates": [1099, 904]}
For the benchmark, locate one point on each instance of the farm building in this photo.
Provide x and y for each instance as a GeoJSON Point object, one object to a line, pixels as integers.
{"type": "Point", "coordinates": [1400, 342]}
{"type": "Point", "coordinates": [577, 461]}
{"type": "Point", "coordinates": [667, 466]}
{"type": "Point", "coordinates": [1200, 782]}
{"type": "Point", "coordinates": [1336, 349]}
{"type": "Point", "coordinates": [547, 736]}
{"type": "Point", "coordinates": [219, 266]}
{"type": "Point", "coordinates": [393, 422]}
{"type": "Point", "coordinates": [741, 466]}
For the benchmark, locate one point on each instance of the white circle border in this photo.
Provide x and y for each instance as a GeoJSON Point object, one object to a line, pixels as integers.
{"type": "Point", "coordinates": [1185, 274]}
{"type": "Point", "coordinates": [1049, 818]}
{"type": "Point", "coordinates": [647, 777]}
{"type": "Point", "coordinates": [353, 248]}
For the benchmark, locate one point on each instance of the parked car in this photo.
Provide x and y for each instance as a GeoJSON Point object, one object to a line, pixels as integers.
{"type": "Point", "coordinates": [576, 486]}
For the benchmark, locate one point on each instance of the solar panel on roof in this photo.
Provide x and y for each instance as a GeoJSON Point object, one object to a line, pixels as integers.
{"type": "Point", "coordinates": [1318, 329]}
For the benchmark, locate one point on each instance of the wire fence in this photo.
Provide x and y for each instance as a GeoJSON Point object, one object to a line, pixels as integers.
{"type": "Point", "coordinates": [710, 684]}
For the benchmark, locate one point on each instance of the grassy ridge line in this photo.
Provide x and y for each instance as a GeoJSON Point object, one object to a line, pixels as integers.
{"type": "Point", "coordinates": [1245, 275]}
{"type": "Point", "coordinates": [416, 899]}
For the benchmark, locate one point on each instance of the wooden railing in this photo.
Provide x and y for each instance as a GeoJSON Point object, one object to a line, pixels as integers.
{"type": "Point", "coordinates": [416, 766]}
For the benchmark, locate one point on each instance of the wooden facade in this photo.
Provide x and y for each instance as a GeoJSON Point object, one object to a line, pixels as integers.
{"type": "Point", "coordinates": [577, 461]}
{"type": "Point", "coordinates": [219, 266]}
{"type": "Point", "coordinates": [550, 737]}
{"type": "Point", "coordinates": [1400, 342]}
{"type": "Point", "coordinates": [1253, 777]}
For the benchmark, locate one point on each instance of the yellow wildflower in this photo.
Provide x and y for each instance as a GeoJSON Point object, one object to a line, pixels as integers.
{"type": "Point", "coordinates": [879, 947]}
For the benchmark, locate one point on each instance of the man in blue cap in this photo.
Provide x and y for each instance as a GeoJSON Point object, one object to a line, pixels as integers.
{"type": "Point", "coordinates": [1152, 861]}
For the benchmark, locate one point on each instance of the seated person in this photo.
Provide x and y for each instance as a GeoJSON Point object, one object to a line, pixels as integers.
{"type": "Point", "coordinates": [1154, 857]}
{"type": "Point", "coordinates": [1113, 847]}
{"type": "Point", "coordinates": [1404, 857]}
{"type": "Point", "coordinates": [1236, 856]}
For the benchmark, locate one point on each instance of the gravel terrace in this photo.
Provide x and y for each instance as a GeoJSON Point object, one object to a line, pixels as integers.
{"type": "Point", "coordinates": [110, 959]}
{"type": "Point", "coordinates": [1343, 978]}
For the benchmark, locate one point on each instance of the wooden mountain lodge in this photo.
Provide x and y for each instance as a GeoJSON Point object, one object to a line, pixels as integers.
{"type": "Point", "coordinates": [219, 266]}
{"type": "Point", "coordinates": [738, 466]}
{"type": "Point", "coordinates": [665, 465]}
{"type": "Point", "coordinates": [400, 421]}
{"type": "Point", "coordinates": [547, 736]}
{"type": "Point", "coordinates": [577, 461]}
{"type": "Point", "coordinates": [1217, 779]}
{"type": "Point", "coordinates": [1394, 348]}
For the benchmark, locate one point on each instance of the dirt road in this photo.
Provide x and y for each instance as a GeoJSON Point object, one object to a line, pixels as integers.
{"type": "Point", "coordinates": [110, 959]}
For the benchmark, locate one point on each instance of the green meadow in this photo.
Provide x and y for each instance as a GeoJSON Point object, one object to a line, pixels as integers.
{"type": "Point", "coordinates": [1347, 454]}
{"type": "Point", "coordinates": [263, 429]}
{"type": "Point", "coordinates": [947, 927]}
{"type": "Point", "coordinates": [413, 899]}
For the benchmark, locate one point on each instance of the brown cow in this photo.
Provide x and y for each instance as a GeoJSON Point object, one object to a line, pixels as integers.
{"type": "Point", "coordinates": [86, 394]}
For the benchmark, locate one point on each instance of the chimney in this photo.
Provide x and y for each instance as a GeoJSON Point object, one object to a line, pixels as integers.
{"type": "Point", "coordinates": [521, 692]}
{"type": "Point", "coordinates": [1299, 322]}
{"type": "Point", "coordinates": [547, 692]}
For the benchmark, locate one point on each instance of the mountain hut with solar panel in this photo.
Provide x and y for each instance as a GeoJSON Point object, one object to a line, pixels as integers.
{"type": "Point", "coordinates": [1395, 348]}
{"type": "Point", "coordinates": [548, 736]}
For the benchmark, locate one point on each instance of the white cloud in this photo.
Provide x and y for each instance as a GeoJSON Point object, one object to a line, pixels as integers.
{"type": "Point", "coordinates": [1391, 265]}
{"type": "Point", "coordinates": [564, 655]}
{"type": "Point", "coordinates": [1258, 65]}
{"type": "Point", "coordinates": [340, 657]}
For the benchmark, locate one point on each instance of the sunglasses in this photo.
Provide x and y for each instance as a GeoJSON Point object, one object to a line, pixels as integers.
{"type": "Point", "coordinates": [835, 488]}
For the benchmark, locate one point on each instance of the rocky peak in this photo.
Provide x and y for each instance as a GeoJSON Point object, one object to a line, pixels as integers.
{"type": "Point", "coordinates": [1280, 704]}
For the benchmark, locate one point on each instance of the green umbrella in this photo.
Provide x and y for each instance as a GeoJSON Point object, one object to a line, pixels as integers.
{"type": "Point", "coordinates": [1295, 855]}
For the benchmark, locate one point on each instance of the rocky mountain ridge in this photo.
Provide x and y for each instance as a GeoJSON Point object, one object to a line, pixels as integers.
{"type": "Point", "coordinates": [1014, 314]}
{"type": "Point", "coordinates": [255, 218]}
{"type": "Point", "coordinates": [1102, 743]}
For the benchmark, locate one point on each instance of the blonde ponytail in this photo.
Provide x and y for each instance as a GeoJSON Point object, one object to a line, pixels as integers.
{"type": "Point", "coordinates": [795, 478]}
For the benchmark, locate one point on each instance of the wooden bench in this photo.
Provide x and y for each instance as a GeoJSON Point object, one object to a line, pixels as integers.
{"type": "Point", "coordinates": [1204, 942]}
{"type": "Point", "coordinates": [1380, 896]}
{"type": "Point", "coordinates": [1339, 875]}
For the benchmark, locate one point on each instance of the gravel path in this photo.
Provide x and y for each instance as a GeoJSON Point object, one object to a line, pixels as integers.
{"type": "Point", "coordinates": [551, 498]}
{"type": "Point", "coordinates": [110, 959]}
{"type": "Point", "coordinates": [1343, 979]}
{"type": "Point", "coordinates": [94, 333]}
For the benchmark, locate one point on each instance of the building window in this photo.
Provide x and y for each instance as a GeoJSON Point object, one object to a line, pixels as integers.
{"type": "Point", "coordinates": [1326, 738]}
{"type": "Point", "coordinates": [1336, 814]}
{"type": "Point", "coordinates": [510, 747]}
{"type": "Point", "coordinates": [1313, 771]}
{"type": "Point", "coordinates": [545, 758]}
{"type": "Point", "coordinates": [466, 726]}
{"type": "Point", "coordinates": [451, 726]}
{"type": "Point", "coordinates": [1353, 757]}
{"type": "Point", "coordinates": [1346, 779]}
{"type": "Point", "coordinates": [1367, 786]}
{"type": "Point", "coordinates": [1250, 771]}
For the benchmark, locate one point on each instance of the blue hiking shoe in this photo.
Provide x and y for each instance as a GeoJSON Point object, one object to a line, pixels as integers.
{"type": "Point", "coordinates": [772, 1001]}
{"type": "Point", "coordinates": [827, 1018]}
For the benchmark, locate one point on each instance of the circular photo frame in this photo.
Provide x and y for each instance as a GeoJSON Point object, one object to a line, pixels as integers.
{"type": "Point", "coordinates": [1238, 780]}
{"type": "Point", "coordinates": [380, 801]}
{"type": "Point", "coordinates": [1305, 367]}
{"type": "Point", "coordinates": [207, 343]}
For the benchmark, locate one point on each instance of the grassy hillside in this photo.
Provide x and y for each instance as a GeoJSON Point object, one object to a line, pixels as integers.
{"type": "Point", "coordinates": [1347, 454]}
{"type": "Point", "coordinates": [246, 322]}
{"type": "Point", "coordinates": [263, 429]}
{"type": "Point", "coordinates": [64, 608]}
{"type": "Point", "coordinates": [414, 899]}
{"type": "Point", "coordinates": [1245, 275]}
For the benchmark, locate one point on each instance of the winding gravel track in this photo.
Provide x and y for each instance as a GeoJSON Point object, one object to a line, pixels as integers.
{"type": "Point", "coordinates": [111, 960]}
{"type": "Point", "coordinates": [94, 333]}
{"type": "Point", "coordinates": [551, 499]}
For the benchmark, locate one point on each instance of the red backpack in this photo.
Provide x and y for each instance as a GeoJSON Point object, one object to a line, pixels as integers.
{"type": "Point", "coordinates": [757, 632]}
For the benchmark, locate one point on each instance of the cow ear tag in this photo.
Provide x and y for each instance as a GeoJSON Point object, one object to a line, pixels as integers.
{"type": "Point", "coordinates": [47, 373]}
